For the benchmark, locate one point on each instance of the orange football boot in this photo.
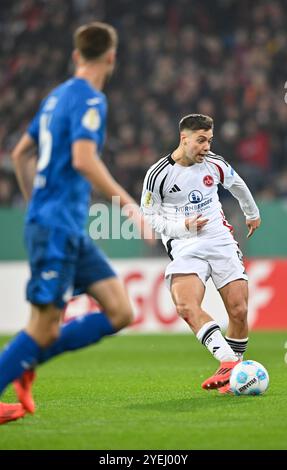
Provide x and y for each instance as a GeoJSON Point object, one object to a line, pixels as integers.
{"type": "Point", "coordinates": [225, 390]}
{"type": "Point", "coordinates": [221, 376]}
{"type": "Point", "coordinates": [11, 412]}
{"type": "Point", "coordinates": [23, 389]}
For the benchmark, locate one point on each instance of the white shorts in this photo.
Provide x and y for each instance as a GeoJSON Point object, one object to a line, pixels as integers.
{"type": "Point", "coordinates": [222, 262]}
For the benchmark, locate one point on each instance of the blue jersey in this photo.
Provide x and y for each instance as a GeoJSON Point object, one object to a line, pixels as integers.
{"type": "Point", "coordinates": [61, 195]}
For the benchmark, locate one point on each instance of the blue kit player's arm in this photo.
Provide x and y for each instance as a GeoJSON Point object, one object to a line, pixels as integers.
{"type": "Point", "coordinates": [24, 157]}
{"type": "Point", "coordinates": [24, 160]}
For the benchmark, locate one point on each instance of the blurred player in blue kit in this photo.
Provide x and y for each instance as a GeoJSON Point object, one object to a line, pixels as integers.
{"type": "Point", "coordinates": [67, 136]}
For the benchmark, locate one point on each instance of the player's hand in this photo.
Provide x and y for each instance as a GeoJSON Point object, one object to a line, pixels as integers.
{"type": "Point", "coordinates": [195, 223]}
{"type": "Point", "coordinates": [252, 226]}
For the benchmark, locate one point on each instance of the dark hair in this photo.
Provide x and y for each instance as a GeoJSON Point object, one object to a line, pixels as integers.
{"type": "Point", "coordinates": [94, 39]}
{"type": "Point", "coordinates": [194, 122]}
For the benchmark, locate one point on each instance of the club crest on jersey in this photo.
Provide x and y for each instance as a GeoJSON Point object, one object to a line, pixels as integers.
{"type": "Point", "coordinates": [208, 180]}
{"type": "Point", "coordinates": [195, 197]}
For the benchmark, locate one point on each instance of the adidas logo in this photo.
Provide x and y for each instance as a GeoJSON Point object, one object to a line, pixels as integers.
{"type": "Point", "coordinates": [175, 189]}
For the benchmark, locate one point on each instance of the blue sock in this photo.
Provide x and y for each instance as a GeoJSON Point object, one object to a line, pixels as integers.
{"type": "Point", "coordinates": [20, 354]}
{"type": "Point", "coordinates": [84, 330]}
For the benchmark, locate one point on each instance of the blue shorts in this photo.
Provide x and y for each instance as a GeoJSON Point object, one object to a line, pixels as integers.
{"type": "Point", "coordinates": [61, 265]}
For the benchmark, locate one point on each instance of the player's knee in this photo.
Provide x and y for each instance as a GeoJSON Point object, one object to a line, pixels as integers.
{"type": "Point", "coordinates": [55, 333]}
{"type": "Point", "coordinates": [44, 324]}
{"type": "Point", "coordinates": [125, 316]}
{"type": "Point", "coordinates": [48, 337]}
{"type": "Point", "coordinates": [121, 315]}
{"type": "Point", "coordinates": [238, 311]}
{"type": "Point", "coordinates": [52, 334]}
{"type": "Point", "coordinates": [187, 313]}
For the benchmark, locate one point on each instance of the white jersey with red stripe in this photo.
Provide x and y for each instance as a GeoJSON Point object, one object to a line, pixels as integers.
{"type": "Point", "coordinates": [173, 192]}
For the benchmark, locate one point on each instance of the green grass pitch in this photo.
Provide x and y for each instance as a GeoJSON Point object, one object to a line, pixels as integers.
{"type": "Point", "coordinates": [143, 392]}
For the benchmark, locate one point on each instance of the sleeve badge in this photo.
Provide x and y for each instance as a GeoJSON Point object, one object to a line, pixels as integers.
{"type": "Point", "coordinates": [91, 119]}
{"type": "Point", "coordinates": [148, 200]}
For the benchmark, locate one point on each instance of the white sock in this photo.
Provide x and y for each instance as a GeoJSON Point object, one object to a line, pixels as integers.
{"type": "Point", "coordinates": [210, 336]}
{"type": "Point", "coordinates": [239, 346]}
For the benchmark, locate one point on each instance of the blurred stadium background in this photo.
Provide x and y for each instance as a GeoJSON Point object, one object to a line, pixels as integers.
{"type": "Point", "coordinates": [225, 58]}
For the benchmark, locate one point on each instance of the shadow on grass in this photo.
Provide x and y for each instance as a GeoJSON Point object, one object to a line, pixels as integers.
{"type": "Point", "coordinates": [184, 405]}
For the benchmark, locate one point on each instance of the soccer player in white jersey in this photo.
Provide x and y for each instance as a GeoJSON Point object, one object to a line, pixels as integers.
{"type": "Point", "coordinates": [180, 201]}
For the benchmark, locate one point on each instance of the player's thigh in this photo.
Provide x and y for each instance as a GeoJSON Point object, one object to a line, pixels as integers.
{"type": "Point", "coordinates": [235, 296]}
{"type": "Point", "coordinates": [187, 290]}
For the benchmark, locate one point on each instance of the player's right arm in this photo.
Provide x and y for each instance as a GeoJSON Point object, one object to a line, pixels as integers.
{"type": "Point", "coordinates": [162, 218]}
{"type": "Point", "coordinates": [24, 161]}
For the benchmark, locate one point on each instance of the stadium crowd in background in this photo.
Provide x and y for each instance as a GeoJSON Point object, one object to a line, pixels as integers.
{"type": "Point", "coordinates": [225, 59]}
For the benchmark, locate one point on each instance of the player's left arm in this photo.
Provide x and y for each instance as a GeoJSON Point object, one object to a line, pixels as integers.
{"type": "Point", "coordinates": [238, 188]}
{"type": "Point", "coordinates": [24, 161]}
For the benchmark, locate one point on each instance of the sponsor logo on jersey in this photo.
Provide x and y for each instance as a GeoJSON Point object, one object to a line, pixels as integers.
{"type": "Point", "coordinates": [190, 209]}
{"type": "Point", "coordinates": [195, 197]}
{"type": "Point", "coordinates": [208, 180]}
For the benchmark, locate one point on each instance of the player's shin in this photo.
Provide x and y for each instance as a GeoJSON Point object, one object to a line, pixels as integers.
{"type": "Point", "coordinates": [211, 337]}
{"type": "Point", "coordinates": [78, 333]}
{"type": "Point", "coordinates": [21, 354]}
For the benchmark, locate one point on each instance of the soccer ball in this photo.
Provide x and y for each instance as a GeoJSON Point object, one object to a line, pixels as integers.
{"type": "Point", "coordinates": [249, 378]}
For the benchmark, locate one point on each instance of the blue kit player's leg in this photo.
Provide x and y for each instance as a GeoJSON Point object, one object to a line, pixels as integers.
{"type": "Point", "coordinates": [96, 277]}
{"type": "Point", "coordinates": [52, 256]}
